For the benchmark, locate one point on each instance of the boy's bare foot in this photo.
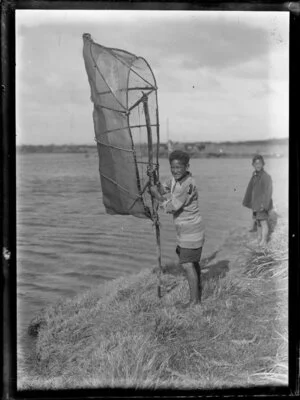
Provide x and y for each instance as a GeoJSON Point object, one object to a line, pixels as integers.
{"type": "Point", "coordinates": [195, 303]}
{"type": "Point", "coordinates": [253, 243]}
{"type": "Point", "coordinates": [170, 286]}
{"type": "Point", "coordinates": [189, 304]}
{"type": "Point", "coordinates": [253, 227]}
{"type": "Point", "coordinates": [263, 245]}
{"type": "Point", "coordinates": [155, 270]}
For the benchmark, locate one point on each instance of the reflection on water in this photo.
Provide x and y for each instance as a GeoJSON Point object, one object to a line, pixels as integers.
{"type": "Point", "coordinates": [66, 242]}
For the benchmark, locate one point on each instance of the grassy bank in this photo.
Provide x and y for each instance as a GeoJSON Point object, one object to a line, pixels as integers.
{"type": "Point", "coordinates": [121, 334]}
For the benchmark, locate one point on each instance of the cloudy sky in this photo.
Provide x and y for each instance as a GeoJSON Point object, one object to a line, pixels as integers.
{"type": "Point", "coordinates": [220, 75]}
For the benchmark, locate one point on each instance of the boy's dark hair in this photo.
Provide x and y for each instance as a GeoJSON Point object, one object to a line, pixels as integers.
{"type": "Point", "coordinates": [258, 157]}
{"type": "Point", "coordinates": [179, 155]}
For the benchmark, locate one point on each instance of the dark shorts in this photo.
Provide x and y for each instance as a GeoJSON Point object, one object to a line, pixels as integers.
{"type": "Point", "coordinates": [188, 255]}
{"type": "Point", "coordinates": [260, 215]}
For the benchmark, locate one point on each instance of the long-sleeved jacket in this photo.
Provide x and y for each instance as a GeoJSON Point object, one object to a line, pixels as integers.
{"type": "Point", "coordinates": [258, 194]}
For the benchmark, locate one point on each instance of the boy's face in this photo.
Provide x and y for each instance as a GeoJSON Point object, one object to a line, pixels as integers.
{"type": "Point", "coordinates": [178, 169]}
{"type": "Point", "coordinates": [258, 165]}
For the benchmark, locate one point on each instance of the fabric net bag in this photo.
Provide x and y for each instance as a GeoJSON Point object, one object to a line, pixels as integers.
{"type": "Point", "coordinates": [124, 93]}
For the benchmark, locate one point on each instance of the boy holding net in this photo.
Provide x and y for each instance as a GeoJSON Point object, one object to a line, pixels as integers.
{"type": "Point", "coordinates": [179, 197]}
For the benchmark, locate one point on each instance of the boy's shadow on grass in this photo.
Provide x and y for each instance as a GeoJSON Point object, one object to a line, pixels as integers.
{"type": "Point", "coordinates": [213, 271]}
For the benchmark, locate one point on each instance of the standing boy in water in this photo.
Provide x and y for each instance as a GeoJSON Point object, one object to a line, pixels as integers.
{"type": "Point", "coordinates": [258, 197]}
{"type": "Point", "coordinates": [179, 196]}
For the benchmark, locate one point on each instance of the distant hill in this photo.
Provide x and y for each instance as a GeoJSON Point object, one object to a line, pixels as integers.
{"type": "Point", "coordinates": [53, 148]}
{"type": "Point", "coordinates": [281, 141]}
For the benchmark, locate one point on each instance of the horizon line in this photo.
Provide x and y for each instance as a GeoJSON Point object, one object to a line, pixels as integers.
{"type": "Point", "coordinates": [173, 141]}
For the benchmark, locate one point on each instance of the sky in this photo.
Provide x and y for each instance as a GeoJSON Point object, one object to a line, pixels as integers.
{"type": "Point", "coordinates": [221, 75]}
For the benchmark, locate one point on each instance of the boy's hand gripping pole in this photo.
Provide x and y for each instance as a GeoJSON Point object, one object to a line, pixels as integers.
{"type": "Point", "coordinates": [151, 173]}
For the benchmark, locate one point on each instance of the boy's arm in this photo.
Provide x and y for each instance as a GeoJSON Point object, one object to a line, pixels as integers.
{"type": "Point", "coordinates": [154, 190]}
{"type": "Point", "coordinates": [176, 202]}
{"type": "Point", "coordinates": [160, 190]}
{"type": "Point", "coordinates": [165, 187]}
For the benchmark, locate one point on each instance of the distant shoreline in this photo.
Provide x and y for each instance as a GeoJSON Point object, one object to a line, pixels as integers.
{"type": "Point", "coordinates": [165, 156]}
{"type": "Point", "coordinates": [269, 148]}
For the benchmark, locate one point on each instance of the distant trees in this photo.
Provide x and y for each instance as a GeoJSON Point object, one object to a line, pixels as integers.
{"type": "Point", "coordinates": [272, 147]}
{"type": "Point", "coordinates": [194, 147]}
{"type": "Point", "coordinates": [52, 148]}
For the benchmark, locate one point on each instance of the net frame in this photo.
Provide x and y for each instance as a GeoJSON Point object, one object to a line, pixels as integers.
{"type": "Point", "coordinates": [149, 89]}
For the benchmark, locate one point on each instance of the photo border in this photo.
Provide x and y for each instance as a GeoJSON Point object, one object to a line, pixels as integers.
{"type": "Point", "coordinates": [8, 204]}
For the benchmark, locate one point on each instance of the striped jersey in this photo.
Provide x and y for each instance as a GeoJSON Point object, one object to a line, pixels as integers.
{"type": "Point", "coordinates": [182, 202]}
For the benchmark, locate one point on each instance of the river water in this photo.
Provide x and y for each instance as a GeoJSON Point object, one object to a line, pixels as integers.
{"type": "Point", "coordinates": [66, 243]}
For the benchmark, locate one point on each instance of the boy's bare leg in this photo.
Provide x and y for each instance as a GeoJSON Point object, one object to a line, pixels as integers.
{"type": "Point", "coordinates": [259, 233]}
{"type": "Point", "coordinates": [253, 227]}
{"type": "Point", "coordinates": [264, 233]}
{"type": "Point", "coordinates": [192, 278]}
{"type": "Point", "coordinates": [198, 270]}
{"type": "Point", "coordinates": [255, 242]}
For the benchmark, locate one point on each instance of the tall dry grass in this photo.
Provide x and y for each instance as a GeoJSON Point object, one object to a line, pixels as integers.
{"type": "Point", "coordinates": [122, 335]}
{"type": "Point", "coordinates": [271, 267]}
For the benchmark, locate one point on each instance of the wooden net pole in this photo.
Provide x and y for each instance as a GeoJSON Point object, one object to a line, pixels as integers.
{"type": "Point", "coordinates": [154, 205]}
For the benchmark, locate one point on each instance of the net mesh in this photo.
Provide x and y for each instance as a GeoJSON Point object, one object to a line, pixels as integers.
{"type": "Point", "coordinates": [124, 93]}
